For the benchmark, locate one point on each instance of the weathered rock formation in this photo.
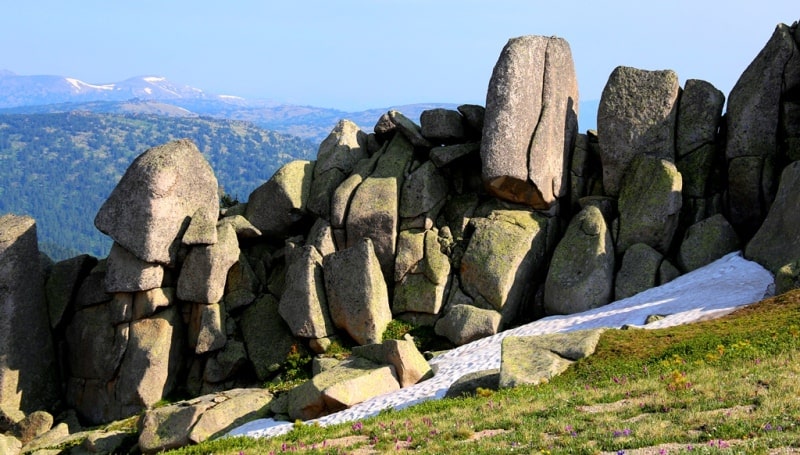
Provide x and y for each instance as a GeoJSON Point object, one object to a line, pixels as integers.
{"type": "Point", "coordinates": [530, 122]}
{"type": "Point", "coordinates": [461, 226]}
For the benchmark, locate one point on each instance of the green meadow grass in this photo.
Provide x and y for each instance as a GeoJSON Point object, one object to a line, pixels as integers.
{"type": "Point", "coordinates": [729, 385]}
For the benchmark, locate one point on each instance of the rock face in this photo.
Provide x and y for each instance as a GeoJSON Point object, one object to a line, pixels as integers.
{"type": "Point", "coordinates": [755, 107]}
{"type": "Point", "coordinates": [27, 360]}
{"type": "Point", "coordinates": [530, 121]}
{"type": "Point", "coordinates": [151, 206]}
{"type": "Point", "coordinates": [357, 294]}
{"type": "Point", "coordinates": [581, 273]}
{"type": "Point", "coordinates": [776, 243]}
{"type": "Point", "coordinates": [422, 223]}
{"type": "Point", "coordinates": [636, 116]}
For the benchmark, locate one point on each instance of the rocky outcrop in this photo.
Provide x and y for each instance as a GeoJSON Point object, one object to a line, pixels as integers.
{"type": "Point", "coordinates": [530, 121]}
{"type": "Point", "coordinates": [27, 360]}
{"type": "Point", "coordinates": [151, 206]}
{"type": "Point", "coordinates": [636, 117]}
{"type": "Point", "coordinates": [421, 223]}
{"type": "Point", "coordinates": [755, 147]}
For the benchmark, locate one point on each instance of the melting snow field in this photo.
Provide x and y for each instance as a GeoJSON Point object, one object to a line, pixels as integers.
{"type": "Point", "coordinates": [711, 291]}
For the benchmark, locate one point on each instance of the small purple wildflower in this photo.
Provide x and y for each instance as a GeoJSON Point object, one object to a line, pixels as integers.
{"type": "Point", "coordinates": [358, 426]}
{"type": "Point", "coordinates": [620, 452]}
{"type": "Point", "coordinates": [662, 452]}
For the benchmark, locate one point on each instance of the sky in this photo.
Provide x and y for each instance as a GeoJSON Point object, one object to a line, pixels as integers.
{"type": "Point", "coordinates": [359, 54]}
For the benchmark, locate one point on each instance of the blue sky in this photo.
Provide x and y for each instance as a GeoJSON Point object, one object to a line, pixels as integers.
{"type": "Point", "coordinates": [357, 54]}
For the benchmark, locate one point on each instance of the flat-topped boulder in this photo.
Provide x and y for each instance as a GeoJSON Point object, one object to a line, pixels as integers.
{"type": "Point", "coordinates": [530, 121]}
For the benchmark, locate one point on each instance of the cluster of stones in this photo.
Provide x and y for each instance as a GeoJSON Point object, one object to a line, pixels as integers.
{"type": "Point", "coordinates": [474, 220]}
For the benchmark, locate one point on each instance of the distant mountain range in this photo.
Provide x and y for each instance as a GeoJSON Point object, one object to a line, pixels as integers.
{"type": "Point", "coordinates": [158, 96]}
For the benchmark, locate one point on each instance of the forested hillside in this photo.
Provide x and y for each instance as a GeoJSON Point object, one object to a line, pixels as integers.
{"type": "Point", "coordinates": [60, 168]}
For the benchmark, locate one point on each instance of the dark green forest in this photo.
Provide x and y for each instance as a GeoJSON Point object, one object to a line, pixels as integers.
{"type": "Point", "coordinates": [60, 168]}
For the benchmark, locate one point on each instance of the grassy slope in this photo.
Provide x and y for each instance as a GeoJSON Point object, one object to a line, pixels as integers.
{"type": "Point", "coordinates": [722, 386]}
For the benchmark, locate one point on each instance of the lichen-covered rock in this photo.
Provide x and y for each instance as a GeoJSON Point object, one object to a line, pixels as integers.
{"type": "Point", "coordinates": [373, 214]}
{"type": "Point", "coordinates": [466, 323]}
{"type": "Point", "coordinates": [357, 294]}
{"type": "Point", "coordinates": [442, 126]}
{"type": "Point", "coordinates": [168, 427]}
{"type": "Point", "coordinates": [423, 190]}
{"type": "Point", "coordinates": [266, 336]}
{"type": "Point", "coordinates": [149, 369]}
{"type": "Point", "coordinates": [150, 208]}
{"type": "Point", "coordinates": [473, 118]}
{"type": "Point", "coordinates": [753, 122]}
{"type": "Point", "coordinates": [423, 274]}
{"type": "Point", "coordinates": [127, 273]}
{"type": "Point", "coordinates": [206, 328]}
{"type": "Point", "coordinates": [649, 204]}
{"type": "Point", "coordinates": [537, 359]}
{"type": "Point", "coordinates": [471, 382]}
{"type": "Point", "coordinates": [530, 121]}
{"type": "Point", "coordinates": [231, 408]}
{"type": "Point", "coordinates": [581, 273]}
{"type": "Point", "coordinates": [10, 445]}
{"type": "Point", "coordinates": [278, 206]}
{"type": "Point", "coordinates": [776, 243]}
{"type": "Point", "coordinates": [706, 242]}
{"type": "Point", "coordinates": [206, 267]}
{"type": "Point", "coordinates": [344, 385]}
{"type": "Point", "coordinates": [636, 116]}
{"type": "Point", "coordinates": [303, 304]}
{"type": "Point", "coordinates": [409, 364]}
{"type": "Point", "coordinates": [27, 359]}
{"type": "Point", "coordinates": [639, 271]}
{"type": "Point", "coordinates": [699, 116]}
{"type": "Point", "coordinates": [506, 250]}
{"type": "Point", "coordinates": [336, 158]}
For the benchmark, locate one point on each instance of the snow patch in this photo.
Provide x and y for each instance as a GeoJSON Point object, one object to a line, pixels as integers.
{"type": "Point", "coordinates": [148, 90]}
{"type": "Point", "coordinates": [80, 85]}
{"type": "Point", "coordinates": [153, 79]}
{"type": "Point", "coordinates": [713, 290]}
{"type": "Point", "coordinates": [231, 97]}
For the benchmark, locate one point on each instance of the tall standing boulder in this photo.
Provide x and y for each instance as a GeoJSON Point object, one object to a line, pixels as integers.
{"type": "Point", "coordinates": [637, 114]}
{"type": "Point", "coordinates": [777, 243]}
{"type": "Point", "coordinates": [530, 121]}
{"type": "Point", "coordinates": [649, 204]}
{"type": "Point", "coordinates": [27, 360]}
{"type": "Point", "coordinates": [581, 273]}
{"type": "Point", "coordinates": [754, 115]}
{"type": "Point", "coordinates": [151, 206]}
{"type": "Point", "coordinates": [336, 158]}
{"type": "Point", "coordinates": [506, 251]}
{"type": "Point", "coordinates": [206, 267]}
{"type": "Point", "coordinates": [303, 304]}
{"type": "Point", "coordinates": [357, 295]}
